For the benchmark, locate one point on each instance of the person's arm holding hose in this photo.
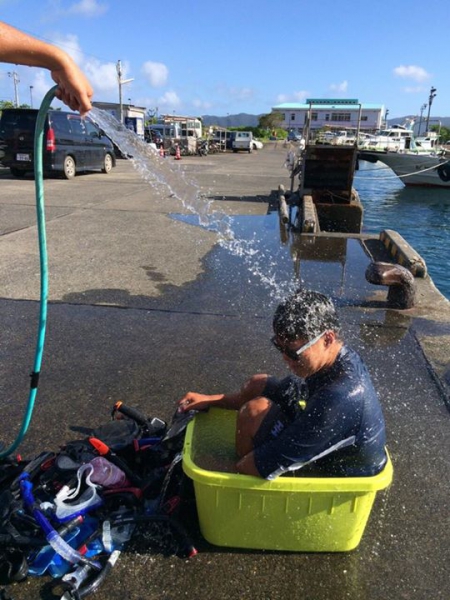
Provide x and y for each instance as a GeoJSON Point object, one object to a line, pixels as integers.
{"type": "Point", "coordinates": [20, 48]}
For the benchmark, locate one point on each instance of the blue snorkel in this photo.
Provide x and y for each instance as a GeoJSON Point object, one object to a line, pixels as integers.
{"type": "Point", "coordinates": [39, 189]}
{"type": "Point", "coordinates": [59, 545]}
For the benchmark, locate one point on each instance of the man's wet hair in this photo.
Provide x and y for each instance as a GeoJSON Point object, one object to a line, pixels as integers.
{"type": "Point", "coordinates": [305, 315]}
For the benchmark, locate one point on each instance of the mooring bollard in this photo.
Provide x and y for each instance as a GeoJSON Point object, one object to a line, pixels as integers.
{"type": "Point", "coordinates": [282, 205]}
{"type": "Point", "coordinates": [402, 289]}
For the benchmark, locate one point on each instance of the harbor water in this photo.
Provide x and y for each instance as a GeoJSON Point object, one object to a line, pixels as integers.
{"type": "Point", "coordinates": [420, 215]}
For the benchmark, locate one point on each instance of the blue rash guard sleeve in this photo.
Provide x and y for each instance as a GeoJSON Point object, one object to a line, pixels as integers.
{"type": "Point", "coordinates": [286, 393]}
{"type": "Point", "coordinates": [341, 431]}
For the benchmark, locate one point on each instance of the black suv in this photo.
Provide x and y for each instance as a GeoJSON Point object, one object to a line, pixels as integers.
{"type": "Point", "coordinates": [71, 144]}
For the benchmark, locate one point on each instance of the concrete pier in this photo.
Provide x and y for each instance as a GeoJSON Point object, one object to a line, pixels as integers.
{"type": "Point", "coordinates": [144, 305]}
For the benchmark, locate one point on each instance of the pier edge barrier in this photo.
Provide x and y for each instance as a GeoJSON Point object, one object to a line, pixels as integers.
{"type": "Point", "coordinates": [310, 220]}
{"type": "Point", "coordinates": [404, 254]}
{"type": "Point", "coordinates": [282, 204]}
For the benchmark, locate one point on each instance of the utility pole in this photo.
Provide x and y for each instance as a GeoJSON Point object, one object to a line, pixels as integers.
{"type": "Point", "coordinates": [16, 81]}
{"type": "Point", "coordinates": [31, 96]}
{"type": "Point", "coordinates": [430, 102]}
{"type": "Point", "coordinates": [121, 83]}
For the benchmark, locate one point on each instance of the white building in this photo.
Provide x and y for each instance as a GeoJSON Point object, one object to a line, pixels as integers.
{"type": "Point", "coordinates": [331, 113]}
{"type": "Point", "coordinates": [133, 116]}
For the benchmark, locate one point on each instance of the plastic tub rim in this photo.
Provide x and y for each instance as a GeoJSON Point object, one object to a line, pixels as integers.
{"type": "Point", "coordinates": [292, 484]}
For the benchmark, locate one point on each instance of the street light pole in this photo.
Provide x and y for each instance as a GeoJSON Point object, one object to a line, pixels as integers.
{"type": "Point", "coordinates": [430, 102]}
{"type": "Point", "coordinates": [121, 83]}
{"type": "Point", "coordinates": [386, 118]}
{"type": "Point", "coordinates": [31, 96]}
{"type": "Point", "coordinates": [16, 81]}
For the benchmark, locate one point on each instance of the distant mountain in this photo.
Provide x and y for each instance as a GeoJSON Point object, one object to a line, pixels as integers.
{"type": "Point", "coordinates": [240, 120]}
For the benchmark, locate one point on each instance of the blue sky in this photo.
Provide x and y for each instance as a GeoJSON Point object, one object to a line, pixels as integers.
{"type": "Point", "coordinates": [213, 57]}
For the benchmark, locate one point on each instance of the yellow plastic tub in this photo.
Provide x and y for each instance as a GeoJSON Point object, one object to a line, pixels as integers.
{"type": "Point", "coordinates": [301, 514]}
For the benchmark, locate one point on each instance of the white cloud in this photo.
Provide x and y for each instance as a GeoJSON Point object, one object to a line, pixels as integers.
{"type": "Point", "coordinates": [41, 83]}
{"type": "Point", "coordinates": [412, 72]}
{"type": "Point", "coordinates": [244, 93]}
{"type": "Point", "coordinates": [156, 73]}
{"type": "Point", "coordinates": [102, 76]}
{"type": "Point", "coordinates": [202, 104]}
{"type": "Point", "coordinates": [69, 43]}
{"type": "Point", "coordinates": [415, 90]}
{"type": "Point", "coordinates": [294, 97]}
{"type": "Point", "coordinates": [84, 8]}
{"type": "Point", "coordinates": [239, 94]}
{"type": "Point", "coordinates": [339, 87]}
{"type": "Point", "coordinates": [87, 8]}
{"type": "Point", "coordinates": [166, 103]}
{"type": "Point", "coordinates": [169, 100]}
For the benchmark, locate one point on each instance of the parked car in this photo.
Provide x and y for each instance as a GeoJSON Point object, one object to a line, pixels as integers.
{"type": "Point", "coordinates": [70, 145]}
{"type": "Point", "coordinates": [293, 136]}
{"type": "Point", "coordinates": [242, 140]}
{"type": "Point", "coordinates": [257, 144]}
{"type": "Point", "coordinates": [326, 137]}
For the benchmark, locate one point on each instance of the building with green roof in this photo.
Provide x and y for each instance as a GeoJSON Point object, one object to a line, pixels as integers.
{"type": "Point", "coordinates": [342, 113]}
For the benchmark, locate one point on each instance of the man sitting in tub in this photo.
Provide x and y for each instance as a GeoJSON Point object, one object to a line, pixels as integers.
{"type": "Point", "coordinates": [325, 418]}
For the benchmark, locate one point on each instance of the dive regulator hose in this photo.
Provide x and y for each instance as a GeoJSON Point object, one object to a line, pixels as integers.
{"type": "Point", "coordinates": [39, 189]}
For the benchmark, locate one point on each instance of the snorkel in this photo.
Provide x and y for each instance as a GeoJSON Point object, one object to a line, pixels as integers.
{"type": "Point", "coordinates": [59, 545]}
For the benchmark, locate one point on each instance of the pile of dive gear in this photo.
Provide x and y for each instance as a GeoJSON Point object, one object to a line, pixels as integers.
{"type": "Point", "coordinates": [69, 514]}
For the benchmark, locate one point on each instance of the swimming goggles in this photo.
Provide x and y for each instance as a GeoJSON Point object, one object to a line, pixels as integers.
{"type": "Point", "coordinates": [70, 504]}
{"type": "Point", "coordinates": [295, 354]}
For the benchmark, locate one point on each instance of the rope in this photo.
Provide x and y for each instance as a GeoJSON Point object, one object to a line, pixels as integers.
{"type": "Point", "coordinates": [407, 174]}
{"type": "Point", "coordinates": [39, 190]}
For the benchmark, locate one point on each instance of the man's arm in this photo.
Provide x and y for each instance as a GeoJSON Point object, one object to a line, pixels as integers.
{"type": "Point", "coordinates": [19, 48]}
{"type": "Point", "coordinates": [251, 389]}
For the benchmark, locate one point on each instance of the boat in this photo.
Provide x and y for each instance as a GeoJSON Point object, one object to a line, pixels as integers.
{"type": "Point", "coordinates": [429, 142]}
{"type": "Point", "coordinates": [397, 137]}
{"type": "Point", "coordinates": [428, 169]}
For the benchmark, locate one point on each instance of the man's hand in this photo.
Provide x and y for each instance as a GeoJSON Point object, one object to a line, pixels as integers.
{"type": "Point", "coordinates": [196, 401]}
{"type": "Point", "coordinates": [73, 87]}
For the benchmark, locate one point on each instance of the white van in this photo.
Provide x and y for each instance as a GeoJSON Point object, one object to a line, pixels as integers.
{"type": "Point", "coordinates": [242, 140]}
{"type": "Point", "coordinates": [168, 131]}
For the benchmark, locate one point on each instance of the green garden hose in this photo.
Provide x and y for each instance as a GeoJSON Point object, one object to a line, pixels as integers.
{"type": "Point", "coordinates": [39, 189]}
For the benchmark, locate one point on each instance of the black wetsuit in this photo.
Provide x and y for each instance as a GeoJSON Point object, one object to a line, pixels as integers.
{"type": "Point", "coordinates": [341, 430]}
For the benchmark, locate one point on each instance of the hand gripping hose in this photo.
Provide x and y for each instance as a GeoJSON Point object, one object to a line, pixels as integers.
{"type": "Point", "coordinates": [39, 189]}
